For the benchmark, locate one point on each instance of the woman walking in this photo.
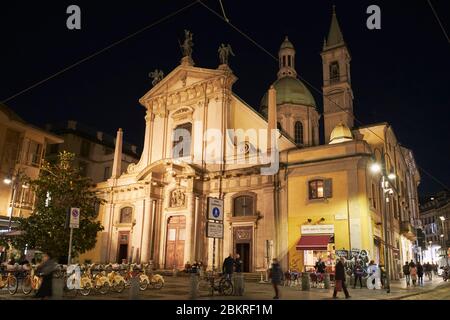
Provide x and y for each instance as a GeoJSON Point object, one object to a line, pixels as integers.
{"type": "Point", "coordinates": [413, 273]}
{"type": "Point", "coordinates": [46, 269]}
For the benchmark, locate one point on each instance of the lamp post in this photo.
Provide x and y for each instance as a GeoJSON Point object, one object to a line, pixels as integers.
{"type": "Point", "coordinates": [385, 181]}
{"type": "Point", "coordinates": [444, 241]}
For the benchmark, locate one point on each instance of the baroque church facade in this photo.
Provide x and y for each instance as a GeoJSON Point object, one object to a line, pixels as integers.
{"type": "Point", "coordinates": [318, 200]}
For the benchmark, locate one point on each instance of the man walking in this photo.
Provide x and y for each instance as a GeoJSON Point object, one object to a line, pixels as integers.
{"type": "Point", "coordinates": [340, 279]}
{"type": "Point", "coordinates": [276, 275]}
{"type": "Point", "coordinates": [227, 267]}
{"type": "Point", "coordinates": [406, 273]}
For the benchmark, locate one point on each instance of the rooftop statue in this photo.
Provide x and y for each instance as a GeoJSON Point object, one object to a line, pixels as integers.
{"type": "Point", "coordinates": [157, 76]}
{"type": "Point", "coordinates": [187, 44]}
{"type": "Point", "coordinates": [224, 53]}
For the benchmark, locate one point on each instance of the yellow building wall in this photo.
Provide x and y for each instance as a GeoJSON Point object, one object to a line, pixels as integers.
{"type": "Point", "coordinates": [334, 210]}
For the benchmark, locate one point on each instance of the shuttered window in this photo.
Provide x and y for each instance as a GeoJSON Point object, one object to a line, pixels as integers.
{"type": "Point", "coordinates": [320, 189]}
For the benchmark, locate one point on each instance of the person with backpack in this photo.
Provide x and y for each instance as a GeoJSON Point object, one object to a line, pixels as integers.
{"type": "Point", "coordinates": [407, 273]}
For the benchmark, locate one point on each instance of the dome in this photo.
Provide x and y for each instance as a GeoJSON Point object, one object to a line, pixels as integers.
{"type": "Point", "coordinates": [290, 90]}
{"type": "Point", "coordinates": [341, 133]}
{"type": "Point", "coordinates": [286, 44]}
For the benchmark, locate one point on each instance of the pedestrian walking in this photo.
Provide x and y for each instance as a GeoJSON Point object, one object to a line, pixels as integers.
{"type": "Point", "coordinates": [412, 264]}
{"type": "Point", "coordinates": [420, 273]}
{"type": "Point", "coordinates": [428, 271]}
{"type": "Point", "coordinates": [340, 279]}
{"type": "Point", "coordinates": [320, 266]}
{"type": "Point", "coordinates": [358, 272]}
{"type": "Point", "coordinates": [276, 276]}
{"type": "Point", "coordinates": [413, 273]}
{"type": "Point", "coordinates": [227, 267]}
{"type": "Point", "coordinates": [407, 273]}
{"type": "Point", "coordinates": [45, 270]}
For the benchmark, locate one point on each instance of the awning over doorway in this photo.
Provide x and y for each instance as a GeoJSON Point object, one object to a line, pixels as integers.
{"type": "Point", "coordinates": [313, 242]}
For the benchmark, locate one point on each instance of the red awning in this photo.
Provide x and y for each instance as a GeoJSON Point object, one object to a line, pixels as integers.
{"type": "Point", "coordinates": [313, 243]}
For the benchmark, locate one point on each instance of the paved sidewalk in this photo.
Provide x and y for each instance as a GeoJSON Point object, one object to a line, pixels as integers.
{"type": "Point", "coordinates": [178, 289]}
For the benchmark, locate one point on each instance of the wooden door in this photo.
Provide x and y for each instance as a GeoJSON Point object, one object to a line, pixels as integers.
{"type": "Point", "coordinates": [176, 234]}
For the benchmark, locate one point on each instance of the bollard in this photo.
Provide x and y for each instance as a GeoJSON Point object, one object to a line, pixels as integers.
{"type": "Point", "coordinates": [175, 272]}
{"type": "Point", "coordinates": [306, 283]}
{"type": "Point", "coordinates": [326, 281]}
{"type": "Point", "coordinates": [194, 286]}
{"type": "Point", "coordinates": [134, 289]}
{"type": "Point", "coordinates": [57, 288]}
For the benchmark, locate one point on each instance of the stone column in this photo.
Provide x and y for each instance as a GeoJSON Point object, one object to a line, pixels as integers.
{"type": "Point", "coordinates": [145, 249]}
{"type": "Point", "coordinates": [188, 249]}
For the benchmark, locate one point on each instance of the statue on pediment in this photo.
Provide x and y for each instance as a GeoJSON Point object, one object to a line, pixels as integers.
{"type": "Point", "coordinates": [157, 76]}
{"type": "Point", "coordinates": [188, 43]}
{"type": "Point", "coordinates": [224, 53]}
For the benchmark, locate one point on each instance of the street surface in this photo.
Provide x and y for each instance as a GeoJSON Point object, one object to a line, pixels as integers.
{"type": "Point", "coordinates": [178, 289]}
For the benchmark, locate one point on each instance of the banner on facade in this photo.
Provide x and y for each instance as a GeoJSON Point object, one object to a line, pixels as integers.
{"type": "Point", "coordinates": [215, 209]}
{"type": "Point", "coordinates": [214, 230]}
{"type": "Point", "coordinates": [318, 229]}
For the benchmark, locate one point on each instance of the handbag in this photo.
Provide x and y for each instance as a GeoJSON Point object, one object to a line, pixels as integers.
{"type": "Point", "coordinates": [338, 285]}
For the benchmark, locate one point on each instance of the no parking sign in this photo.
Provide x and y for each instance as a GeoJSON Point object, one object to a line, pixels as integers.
{"type": "Point", "coordinates": [75, 218]}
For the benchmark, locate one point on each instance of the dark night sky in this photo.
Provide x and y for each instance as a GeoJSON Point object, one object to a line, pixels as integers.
{"type": "Point", "coordinates": [400, 74]}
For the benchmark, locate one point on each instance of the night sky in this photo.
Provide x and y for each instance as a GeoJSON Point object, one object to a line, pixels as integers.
{"type": "Point", "coordinates": [400, 74]}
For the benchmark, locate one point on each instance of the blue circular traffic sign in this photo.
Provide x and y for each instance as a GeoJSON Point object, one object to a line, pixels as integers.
{"type": "Point", "coordinates": [216, 212]}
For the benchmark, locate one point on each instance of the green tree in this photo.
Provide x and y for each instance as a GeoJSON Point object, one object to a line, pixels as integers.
{"type": "Point", "coordinates": [58, 188]}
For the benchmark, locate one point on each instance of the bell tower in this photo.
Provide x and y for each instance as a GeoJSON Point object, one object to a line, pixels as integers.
{"type": "Point", "coordinates": [286, 56]}
{"type": "Point", "coordinates": [337, 89]}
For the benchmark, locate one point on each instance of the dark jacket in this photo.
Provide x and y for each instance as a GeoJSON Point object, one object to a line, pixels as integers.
{"type": "Point", "coordinates": [406, 269]}
{"type": "Point", "coordinates": [228, 264]}
{"type": "Point", "coordinates": [46, 271]}
{"type": "Point", "coordinates": [320, 267]}
{"type": "Point", "coordinates": [340, 271]}
{"type": "Point", "coordinates": [238, 265]}
{"type": "Point", "coordinates": [276, 274]}
{"type": "Point", "coordinates": [419, 270]}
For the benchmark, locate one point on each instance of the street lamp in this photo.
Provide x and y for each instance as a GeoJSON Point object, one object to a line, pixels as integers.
{"type": "Point", "coordinates": [386, 177]}
{"type": "Point", "coordinates": [444, 248]}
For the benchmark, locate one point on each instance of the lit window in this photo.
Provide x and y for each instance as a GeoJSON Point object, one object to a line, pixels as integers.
{"type": "Point", "coordinates": [298, 132]}
{"type": "Point", "coordinates": [320, 189]}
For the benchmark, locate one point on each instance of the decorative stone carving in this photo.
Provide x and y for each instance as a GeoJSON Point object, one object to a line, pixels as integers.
{"type": "Point", "coordinates": [177, 199]}
{"type": "Point", "coordinates": [243, 234]}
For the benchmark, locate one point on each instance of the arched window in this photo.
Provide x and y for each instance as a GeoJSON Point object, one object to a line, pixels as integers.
{"type": "Point", "coordinates": [182, 141]}
{"type": "Point", "coordinates": [244, 206]}
{"type": "Point", "coordinates": [289, 61]}
{"type": "Point", "coordinates": [126, 215]}
{"type": "Point", "coordinates": [299, 132]}
{"type": "Point", "coordinates": [284, 61]}
{"type": "Point", "coordinates": [334, 72]}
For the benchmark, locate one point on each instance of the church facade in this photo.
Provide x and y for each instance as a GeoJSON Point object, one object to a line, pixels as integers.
{"type": "Point", "coordinates": [285, 195]}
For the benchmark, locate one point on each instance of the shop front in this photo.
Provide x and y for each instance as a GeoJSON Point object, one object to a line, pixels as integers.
{"type": "Point", "coordinates": [317, 243]}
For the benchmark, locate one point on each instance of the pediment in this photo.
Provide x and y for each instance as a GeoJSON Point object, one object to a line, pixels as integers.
{"type": "Point", "coordinates": [184, 78]}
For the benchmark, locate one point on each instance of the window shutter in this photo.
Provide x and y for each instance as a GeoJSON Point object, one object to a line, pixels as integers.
{"type": "Point", "coordinates": [327, 188]}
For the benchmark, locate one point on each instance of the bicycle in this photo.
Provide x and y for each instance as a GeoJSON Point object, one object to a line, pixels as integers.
{"type": "Point", "coordinates": [31, 282]}
{"type": "Point", "coordinates": [211, 283]}
{"type": "Point", "coordinates": [9, 281]}
{"type": "Point", "coordinates": [80, 282]}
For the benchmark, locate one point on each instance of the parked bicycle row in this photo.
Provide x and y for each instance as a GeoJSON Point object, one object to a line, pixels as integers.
{"type": "Point", "coordinates": [82, 278]}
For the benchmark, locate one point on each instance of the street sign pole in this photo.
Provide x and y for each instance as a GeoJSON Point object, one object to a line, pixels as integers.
{"type": "Point", "coordinates": [70, 246]}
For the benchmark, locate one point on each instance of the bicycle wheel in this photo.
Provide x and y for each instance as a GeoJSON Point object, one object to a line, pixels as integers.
{"type": "Point", "coordinates": [12, 285]}
{"type": "Point", "coordinates": [203, 285]}
{"type": "Point", "coordinates": [86, 290]}
{"type": "Point", "coordinates": [104, 288]}
{"type": "Point", "coordinates": [26, 285]}
{"type": "Point", "coordinates": [119, 286]}
{"type": "Point", "coordinates": [226, 287]}
{"type": "Point", "coordinates": [143, 285]}
{"type": "Point", "coordinates": [158, 283]}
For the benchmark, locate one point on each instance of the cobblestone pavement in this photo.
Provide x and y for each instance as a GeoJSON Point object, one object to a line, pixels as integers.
{"type": "Point", "coordinates": [178, 289]}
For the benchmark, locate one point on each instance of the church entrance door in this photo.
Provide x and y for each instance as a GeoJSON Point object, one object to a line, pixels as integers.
{"type": "Point", "coordinates": [176, 235]}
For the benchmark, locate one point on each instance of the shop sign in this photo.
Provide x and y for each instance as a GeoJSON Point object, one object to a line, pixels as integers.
{"type": "Point", "coordinates": [318, 229]}
{"type": "Point", "coordinates": [342, 253]}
